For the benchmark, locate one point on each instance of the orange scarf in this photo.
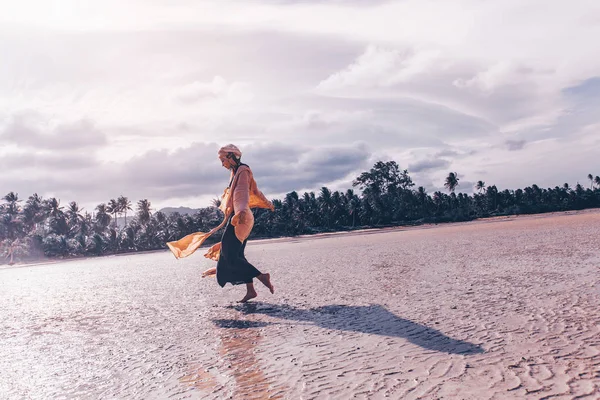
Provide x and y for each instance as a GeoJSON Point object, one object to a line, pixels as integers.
{"type": "Point", "coordinates": [190, 243]}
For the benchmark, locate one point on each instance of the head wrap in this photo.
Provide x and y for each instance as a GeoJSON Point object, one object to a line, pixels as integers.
{"type": "Point", "coordinates": [231, 148]}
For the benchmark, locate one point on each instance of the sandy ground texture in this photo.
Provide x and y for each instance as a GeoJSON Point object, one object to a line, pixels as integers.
{"type": "Point", "coordinates": [494, 309]}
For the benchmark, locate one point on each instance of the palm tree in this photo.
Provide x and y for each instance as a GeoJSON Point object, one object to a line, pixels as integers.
{"type": "Point", "coordinates": [33, 212]}
{"type": "Point", "coordinates": [143, 211]}
{"type": "Point", "coordinates": [386, 197]}
{"type": "Point", "coordinates": [163, 226]}
{"type": "Point", "coordinates": [353, 205]}
{"type": "Point", "coordinates": [96, 245]}
{"type": "Point", "coordinates": [53, 207]}
{"type": "Point", "coordinates": [451, 181]}
{"type": "Point", "coordinates": [325, 205]}
{"type": "Point", "coordinates": [13, 201]}
{"type": "Point", "coordinates": [86, 225]}
{"type": "Point", "coordinates": [113, 208]}
{"type": "Point", "coordinates": [124, 205]}
{"type": "Point", "coordinates": [480, 186]}
{"type": "Point", "coordinates": [337, 207]}
{"type": "Point", "coordinates": [57, 220]}
{"type": "Point", "coordinates": [102, 217]}
{"type": "Point", "coordinates": [74, 217]}
{"type": "Point", "coordinates": [492, 195]}
{"type": "Point", "coordinates": [422, 197]}
{"type": "Point", "coordinates": [311, 208]}
{"type": "Point", "coordinates": [438, 199]}
{"type": "Point", "coordinates": [291, 210]}
{"type": "Point", "coordinates": [11, 222]}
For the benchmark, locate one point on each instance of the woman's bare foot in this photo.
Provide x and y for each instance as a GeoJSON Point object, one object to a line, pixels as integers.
{"type": "Point", "coordinates": [249, 295]}
{"type": "Point", "coordinates": [266, 280]}
{"type": "Point", "coordinates": [209, 272]}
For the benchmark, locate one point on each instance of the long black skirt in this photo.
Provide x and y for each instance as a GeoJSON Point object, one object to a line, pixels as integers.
{"type": "Point", "coordinates": [232, 266]}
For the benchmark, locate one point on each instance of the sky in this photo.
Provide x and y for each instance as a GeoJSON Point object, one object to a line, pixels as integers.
{"type": "Point", "coordinates": [106, 98]}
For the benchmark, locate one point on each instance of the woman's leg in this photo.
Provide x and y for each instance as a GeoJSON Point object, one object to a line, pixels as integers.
{"type": "Point", "coordinates": [232, 257]}
{"type": "Point", "coordinates": [231, 267]}
{"type": "Point", "coordinates": [265, 279]}
{"type": "Point", "coordinates": [250, 292]}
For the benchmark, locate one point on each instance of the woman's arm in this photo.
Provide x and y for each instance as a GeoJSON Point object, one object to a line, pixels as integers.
{"type": "Point", "coordinates": [241, 197]}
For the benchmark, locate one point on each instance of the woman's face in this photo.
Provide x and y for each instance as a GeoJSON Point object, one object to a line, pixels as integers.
{"type": "Point", "coordinates": [225, 161]}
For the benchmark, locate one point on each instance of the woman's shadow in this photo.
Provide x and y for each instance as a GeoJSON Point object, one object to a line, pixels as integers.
{"type": "Point", "coordinates": [373, 319]}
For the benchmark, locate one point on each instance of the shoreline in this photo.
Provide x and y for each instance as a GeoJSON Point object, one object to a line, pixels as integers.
{"type": "Point", "coordinates": [430, 225]}
{"type": "Point", "coordinates": [324, 235]}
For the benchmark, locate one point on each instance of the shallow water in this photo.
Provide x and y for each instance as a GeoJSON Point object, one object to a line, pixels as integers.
{"type": "Point", "coordinates": [109, 327]}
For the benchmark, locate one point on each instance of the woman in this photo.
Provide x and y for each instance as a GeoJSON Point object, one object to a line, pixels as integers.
{"type": "Point", "coordinates": [241, 195]}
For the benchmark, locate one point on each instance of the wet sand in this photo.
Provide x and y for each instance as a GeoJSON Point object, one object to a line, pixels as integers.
{"type": "Point", "coordinates": [504, 308]}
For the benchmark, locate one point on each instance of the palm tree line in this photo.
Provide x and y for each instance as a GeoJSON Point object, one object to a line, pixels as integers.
{"type": "Point", "coordinates": [383, 196]}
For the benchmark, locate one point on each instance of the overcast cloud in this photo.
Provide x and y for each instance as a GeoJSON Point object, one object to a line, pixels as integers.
{"type": "Point", "coordinates": [103, 99]}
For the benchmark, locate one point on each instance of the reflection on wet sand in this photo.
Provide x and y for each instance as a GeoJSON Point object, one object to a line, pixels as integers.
{"type": "Point", "coordinates": [200, 379]}
{"type": "Point", "coordinates": [237, 348]}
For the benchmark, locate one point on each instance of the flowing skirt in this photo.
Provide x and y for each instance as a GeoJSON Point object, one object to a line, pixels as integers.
{"type": "Point", "coordinates": [232, 266]}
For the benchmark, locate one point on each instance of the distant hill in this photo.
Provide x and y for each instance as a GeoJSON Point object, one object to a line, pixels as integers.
{"type": "Point", "coordinates": [180, 210]}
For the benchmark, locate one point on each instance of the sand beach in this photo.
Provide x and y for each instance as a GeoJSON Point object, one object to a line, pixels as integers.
{"type": "Point", "coordinates": [507, 308]}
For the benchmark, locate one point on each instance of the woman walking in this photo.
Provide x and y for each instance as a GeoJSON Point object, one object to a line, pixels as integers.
{"type": "Point", "coordinates": [241, 195]}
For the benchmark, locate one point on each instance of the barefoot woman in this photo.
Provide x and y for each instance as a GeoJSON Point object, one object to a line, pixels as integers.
{"type": "Point", "coordinates": [239, 197]}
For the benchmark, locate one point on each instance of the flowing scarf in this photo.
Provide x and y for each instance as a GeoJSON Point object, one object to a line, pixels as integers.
{"type": "Point", "coordinates": [190, 243]}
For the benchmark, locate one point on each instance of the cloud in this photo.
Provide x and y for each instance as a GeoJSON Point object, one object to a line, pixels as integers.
{"type": "Point", "coordinates": [587, 90]}
{"type": "Point", "coordinates": [508, 95]}
{"type": "Point", "coordinates": [426, 165]}
{"type": "Point", "coordinates": [284, 168]}
{"type": "Point", "coordinates": [420, 80]}
{"type": "Point", "coordinates": [25, 131]}
{"type": "Point", "coordinates": [501, 74]}
{"type": "Point", "coordinates": [186, 173]}
{"type": "Point", "coordinates": [155, 175]}
{"type": "Point", "coordinates": [384, 122]}
{"type": "Point", "coordinates": [380, 67]}
{"type": "Point", "coordinates": [514, 145]}
{"type": "Point", "coordinates": [50, 162]}
{"type": "Point", "coordinates": [466, 187]}
{"type": "Point", "coordinates": [217, 89]}
{"type": "Point", "coordinates": [455, 153]}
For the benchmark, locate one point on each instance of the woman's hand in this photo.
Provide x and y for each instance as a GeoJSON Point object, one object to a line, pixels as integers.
{"type": "Point", "coordinates": [240, 218]}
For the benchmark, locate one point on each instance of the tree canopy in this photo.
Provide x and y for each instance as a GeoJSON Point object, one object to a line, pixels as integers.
{"type": "Point", "coordinates": [38, 227]}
